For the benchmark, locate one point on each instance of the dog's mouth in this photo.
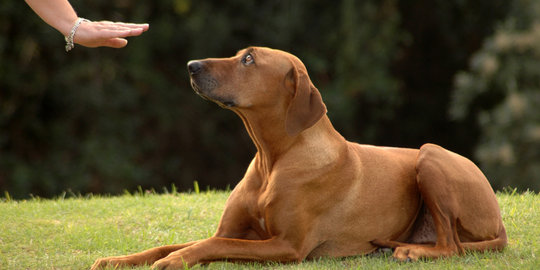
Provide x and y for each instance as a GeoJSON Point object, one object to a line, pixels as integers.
{"type": "Point", "coordinates": [224, 103]}
{"type": "Point", "coordinates": [198, 91]}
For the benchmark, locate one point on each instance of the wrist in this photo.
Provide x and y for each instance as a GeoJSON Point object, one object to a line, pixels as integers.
{"type": "Point", "coordinates": [65, 26]}
{"type": "Point", "coordinates": [71, 34]}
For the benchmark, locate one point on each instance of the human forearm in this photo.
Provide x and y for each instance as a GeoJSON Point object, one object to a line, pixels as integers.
{"type": "Point", "coordinates": [57, 13]}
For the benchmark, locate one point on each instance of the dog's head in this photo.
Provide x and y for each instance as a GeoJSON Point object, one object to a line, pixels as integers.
{"type": "Point", "coordinates": [260, 79]}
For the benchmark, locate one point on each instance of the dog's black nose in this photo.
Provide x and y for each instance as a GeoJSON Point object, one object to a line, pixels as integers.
{"type": "Point", "coordinates": [194, 67]}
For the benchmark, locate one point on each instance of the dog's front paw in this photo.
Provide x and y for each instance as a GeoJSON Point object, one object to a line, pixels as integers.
{"type": "Point", "coordinates": [109, 261]}
{"type": "Point", "coordinates": [169, 263]}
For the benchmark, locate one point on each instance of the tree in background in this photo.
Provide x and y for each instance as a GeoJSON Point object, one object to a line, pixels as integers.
{"type": "Point", "coordinates": [501, 91]}
{"type": "Point", "coordinates": [104, 120]}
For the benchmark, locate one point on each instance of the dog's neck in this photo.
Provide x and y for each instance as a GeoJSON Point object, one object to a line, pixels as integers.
{"type": "Point", "coordinates": [272, 141]}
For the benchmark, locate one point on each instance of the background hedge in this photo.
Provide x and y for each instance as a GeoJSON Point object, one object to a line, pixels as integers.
{"type": "Point", "coordinates": [105, 120]}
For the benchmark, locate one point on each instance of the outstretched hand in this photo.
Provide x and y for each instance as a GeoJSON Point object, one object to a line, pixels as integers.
{"type": "Point", "coordinates": [107, 34]}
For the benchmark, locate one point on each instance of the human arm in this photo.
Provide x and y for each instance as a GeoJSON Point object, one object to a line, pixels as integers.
{"type": "Point", "coordinates": [60, 15]}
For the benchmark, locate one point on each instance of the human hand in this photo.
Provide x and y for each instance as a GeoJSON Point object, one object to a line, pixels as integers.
{"type": "Point", "coordinates": [108, 34]}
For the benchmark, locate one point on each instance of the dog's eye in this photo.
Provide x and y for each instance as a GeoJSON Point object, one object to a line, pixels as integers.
{"type": "Point", "coordinates": [248, 59]}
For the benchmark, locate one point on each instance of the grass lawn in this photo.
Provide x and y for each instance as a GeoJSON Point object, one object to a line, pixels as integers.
{"type": "Point", "coordinates": [70, 233]}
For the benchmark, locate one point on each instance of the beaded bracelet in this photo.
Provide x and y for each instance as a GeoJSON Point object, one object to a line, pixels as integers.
{"type": "Point", "coordinates": [69, 38]}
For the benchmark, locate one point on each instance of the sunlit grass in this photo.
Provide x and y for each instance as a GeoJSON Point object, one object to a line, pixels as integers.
{"type": "Point", "coordinates": [70, 233]}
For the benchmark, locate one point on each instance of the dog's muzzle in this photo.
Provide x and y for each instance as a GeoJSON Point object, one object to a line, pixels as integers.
{"type": "Point", "coordinates": [200, 82]}
{"type": "Point", "coordinates": [203, 83]}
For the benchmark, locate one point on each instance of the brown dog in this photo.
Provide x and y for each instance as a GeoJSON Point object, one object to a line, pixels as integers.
{"type": "Point", "coordinates": [310, 193]}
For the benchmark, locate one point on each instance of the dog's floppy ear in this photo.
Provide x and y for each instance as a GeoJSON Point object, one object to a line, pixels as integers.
{"type": "Point", "coordinates": [306, 106]}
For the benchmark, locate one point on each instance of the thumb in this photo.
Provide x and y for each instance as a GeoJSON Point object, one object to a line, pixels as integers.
{"type": "Point", "coordinates": [116, 42]}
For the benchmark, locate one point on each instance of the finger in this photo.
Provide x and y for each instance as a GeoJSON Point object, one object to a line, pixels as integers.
{"type": "Point", "coordinates": [144, 26]}
{"type": "Point", "coordinates": [116, 27]}
{"type": "Point", "coordinates": [108, 34]}
{"type": "Point", "coordinates": [137, 28]}
{"type": "Point", "coordinates": [120, 25]}
{"type": "Point", "coordinates": [115, 43]}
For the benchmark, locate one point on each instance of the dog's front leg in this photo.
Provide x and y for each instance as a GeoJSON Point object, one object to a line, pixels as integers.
{"type": "Point", "coordinates": [142, 258]}
{"type": "Point", "coordinates": [218, 248]}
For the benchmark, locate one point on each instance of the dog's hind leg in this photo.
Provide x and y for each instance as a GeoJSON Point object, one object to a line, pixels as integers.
{"type": "Point", "coordinates": [461, 202]}
{"type": "Point", "coordinates": [496, 244]}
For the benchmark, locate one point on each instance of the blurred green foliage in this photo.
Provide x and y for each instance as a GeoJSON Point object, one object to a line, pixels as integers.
{"type": "Point", "coordinates": [502, 93]}
{"type": "Point", "coordinates": [104, 120]}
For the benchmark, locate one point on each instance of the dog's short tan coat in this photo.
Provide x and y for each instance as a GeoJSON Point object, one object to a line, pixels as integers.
{"type": "Point", "coordinates": [310, 193]}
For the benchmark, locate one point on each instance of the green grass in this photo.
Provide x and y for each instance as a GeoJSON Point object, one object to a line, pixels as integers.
{"type": "Point", "coordinates": [70, 233]}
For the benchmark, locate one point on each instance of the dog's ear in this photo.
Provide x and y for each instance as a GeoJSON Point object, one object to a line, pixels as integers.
{"type": "Point", "coordinates": [306, 107]}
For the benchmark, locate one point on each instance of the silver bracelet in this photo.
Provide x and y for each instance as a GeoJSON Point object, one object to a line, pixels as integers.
{"type": "Point", "coordinates": [69, 38]}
